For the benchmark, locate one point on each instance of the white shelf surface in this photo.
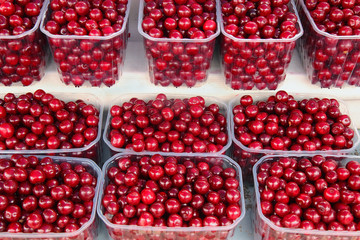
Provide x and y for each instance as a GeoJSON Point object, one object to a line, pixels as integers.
{"type": "Point", "coordinates": [135, 79]}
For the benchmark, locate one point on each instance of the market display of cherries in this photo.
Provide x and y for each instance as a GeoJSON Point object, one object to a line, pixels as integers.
{"type": "Point", "coordinates": [262, 64]}
{"type": "Point", "coordinates": [196, 188]}
{"type": "Point", "coordinates": [331, 61]}
{"type": "Point", "coordinates": [22, 59]}
{"type": "Point", "coordinates": [168, 125]}
{"type": "Point", "coordinates": [39, 121]}
{"type": "Point", "coordinates": [179, 63]}
{"type": "Point", "coordinates": [97, 59]}
{"type": "Point", "coordinates": [44, 195]}
{"type": "Point", "coordinates": [283, 123]}
{"type": "Point", "coordinates": [169, 191]}
{"type": "Point", "coordinates": [310, 193]}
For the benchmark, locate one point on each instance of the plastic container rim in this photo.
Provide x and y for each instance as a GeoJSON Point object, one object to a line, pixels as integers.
{"type": "Point", "coordinates": [173, 40]}
{"type": "Point", "coordinates": [71, 150]}
{"type": "Point", "coordinates": [77, 37]}
{"type": "Point", "coordinates": [293, 39]}
{"type": "Point", "coordinates": [172, 229]}
{"type": "Point", "coordinates": [325, 34]}
{"type": "Point", "coordinates": [297, 230]}
{"type": "Point", "coordinates": [90, 163]}
{"type": "Point", "coordinates": [296, 96]}
{"type": "Point", "coordinates": [33, 29]}
{"type": "Point", "coordinates": [149, 96]}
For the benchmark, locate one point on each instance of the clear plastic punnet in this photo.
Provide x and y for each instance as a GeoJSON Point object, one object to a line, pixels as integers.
{"type": "Point", "coordinates": [178, 62]}
{"type": "Point", "coordinates": [88, 231]}
{"type": "Point", "coordinates": [223, 109]}
{"type": "Point", "coordinates": [247, 157]}
{"type": "Point", "coordinates": [91, 151]}
{"type": "Point", "coordinates": [264, 229]}
{"type": "Point", "coordinates": [122, 232]}
{"type": "Point", "coordinates": [329, 60]}
{"type": "Point", "coordinates": [93, 61]}
{"type": "Point", "coordinates": [28, 52]}
{"type": "Point", "coordinates": [256, 63]}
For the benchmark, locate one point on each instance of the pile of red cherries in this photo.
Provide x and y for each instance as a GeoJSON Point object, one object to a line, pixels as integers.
{"type": "Point", "coordinates": [194, 19]}
{"type": "Point", "coordinates": [39, 121]}
{"type": "Point", "coordinates": [340, 18]}
{"type": "Point", "coordinates": [250, 64]}
{"type": "Point", "coordinates": [170, 191]}
{"type": "Point", "coordinates": [310, 193]}
{"type": "Point", "coordinates": [168, 125]}
{"type": "Point", "coordinates": [44, 195]}
{"type": "Point", "coordinates": [21, 59]}
{"type": "Point", "coordinates": [19, 16]}
{"type": "Point", "coordinates": [179, 63]}
{"type": "Point", "coordinates": [263, 19]}
{"type": "Point", "coordinates": [283, 123]}
{"type": "Point", "coordinates": [93, 18]}
{"type": "Point", "coordinates": [85, 60]}
{"type": "Point", "coordinates": [331, 61]}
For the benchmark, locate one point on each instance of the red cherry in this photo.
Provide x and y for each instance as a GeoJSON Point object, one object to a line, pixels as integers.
{"type": "Point", "coordinates": [148, 196]}
{"type": "Point", "coordinates": [6, 130]}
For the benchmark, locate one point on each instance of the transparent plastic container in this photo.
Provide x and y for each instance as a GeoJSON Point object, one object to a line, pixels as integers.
{"type": "Point", "coordinates": [31, 46]}
{"type": "Point", "coordinates": [122, 232]}
{"type": "Point", "coordinates": [89, 60]}
{"type": "Point", "coordinates": [91, 151]}
{"type": "Point", "coordinates": [190, 59]}
{"type": "Point", "coordinates": [264, 229]}
{"type": "Point", "coordinates": [146, 97]}
{"type": "Point", "coordinates": [329, 60]}
{"type": "Point", "coordinates": [89, 231]}
{"type": "Point", "coordinates": [256, 63]}
{"type": "Point", "coordinates": [247, 157]}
